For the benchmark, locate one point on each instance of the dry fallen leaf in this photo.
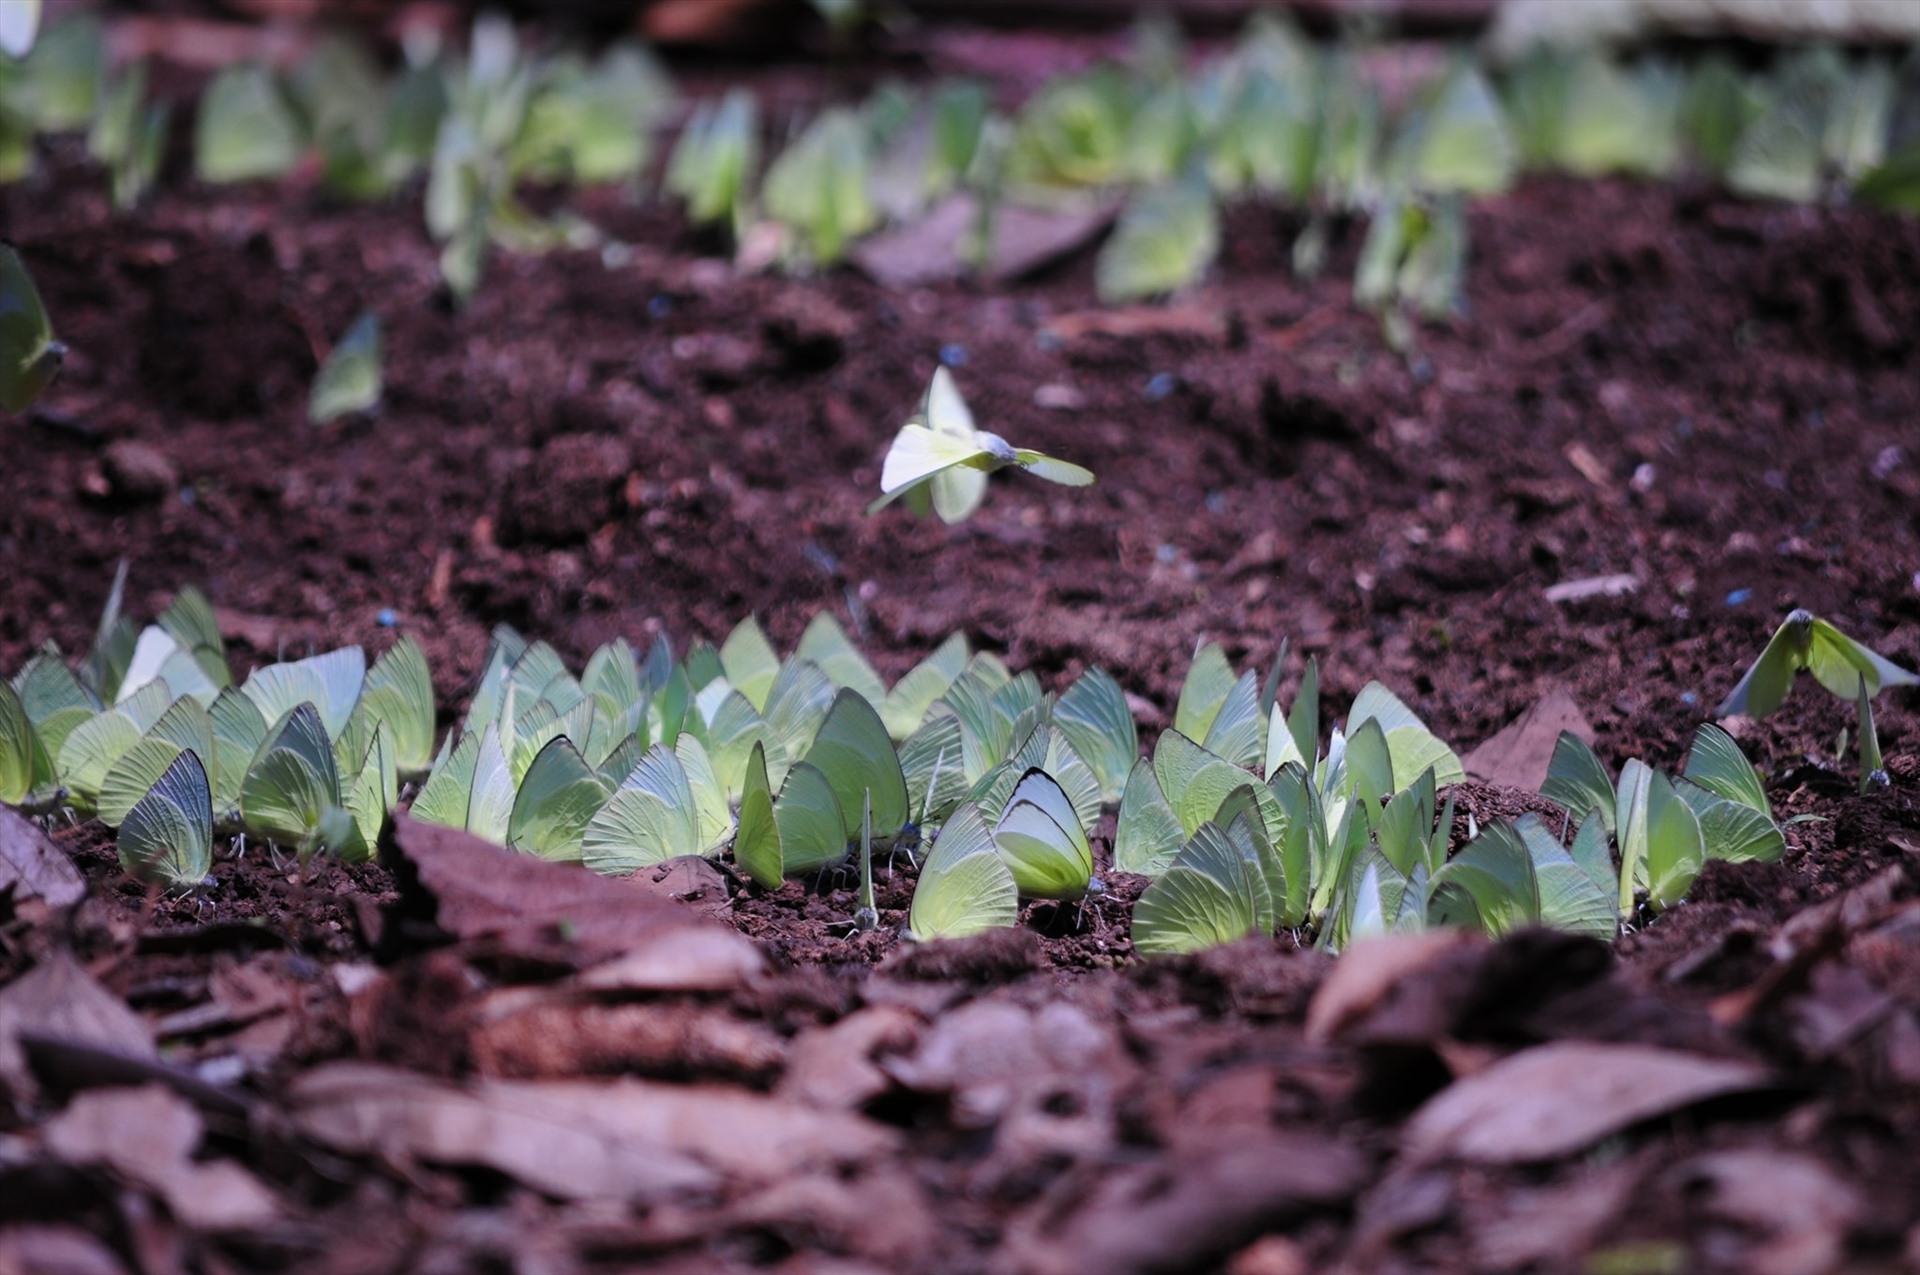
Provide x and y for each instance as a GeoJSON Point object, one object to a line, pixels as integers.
{"type": "Point", "coordinates": [472, 889]}
{"type": "Point", "coordinates": [1185, 1213]}
{"type": "Point", "coordinates": [1369, 971]}
{"type": "Point", "coordinates": [1803, 1212]}
{"type": "Point", "coordinates": [578, 1139]}
{"type": "Point", "coordinates": [551, 1146]}
{"type": "Point", "coordinates": [1517, 755]}
{"type": "Point", "coordinates": [148, 1136]}
{"type": "Point", "coordinates": [1560, 1098]}
{"type": "Point", "coordinates": [32, 867]}
{"type": "Point", "coordinates": [539, 1031]}
{"type": "Point", "coordinates": [57, 1000]}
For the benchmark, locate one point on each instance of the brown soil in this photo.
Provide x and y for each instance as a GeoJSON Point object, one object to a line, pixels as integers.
{"type": "Point", "coordinates": [1714, 397]}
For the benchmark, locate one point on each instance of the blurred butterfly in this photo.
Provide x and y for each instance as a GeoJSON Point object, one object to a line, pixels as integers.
{"type": "Point", "coordinates": [1804, 643]}
{"type": "Point", "coordinates": [940, 459]}
{"type": "Point", "coordinates": [349, 380]}
{"type": "Point", "coordinates": [29, 356]}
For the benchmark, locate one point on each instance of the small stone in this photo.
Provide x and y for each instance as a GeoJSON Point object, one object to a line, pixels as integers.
{"type": "Point", "coordinates": [139, 471]}
{"type": "Point", "coordinates": [1057, 396]}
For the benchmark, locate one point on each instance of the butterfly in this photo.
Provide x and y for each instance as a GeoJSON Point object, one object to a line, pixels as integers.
{"type": "Point", "coordinates": [1805, 643]}
{"type": "Point", "coordinates": [940, 458]}
{"type": "Point", "coordinates": [29, 356]}
{"type": "Point", "coordinates": [349, 380]}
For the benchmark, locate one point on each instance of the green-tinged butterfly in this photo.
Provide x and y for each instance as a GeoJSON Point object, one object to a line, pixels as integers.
{"type": "Point", "coordinates": [1219, 710]}
{"type": "Point", "coordinates": [397, 694]}
{"type": "Point", "coordinates": [939, 451]}
{"type": "Point", "coordinates": [557, 800]}
{"type": "Point", "coordinates": [349, 381]}
{"type": "Point", "coordinates": [1412, 748]}
{"type": "Point", "coordinates": [27, 775]}
{"type": "Point", "coordinates": [292, 782]}
{"type": "Point", "coordinates": [827, 645]}
{"type": "Point", "coordinates": [167, 838]}
{"type": "Point", "coordinates": [246, 129]}
{"type": "Point", "coordinates": [853, 750]}
{"type": "Point", "coordinates": [906, 705]}
{"type": "Point", "coordinates": [29, 356]}
{"type": "Point", "coordinates": [1804, 643]}
{"type": "Point", "coordinates": [671, 805]}
{"type": "Point", "coordinates": [1728, 797]}
{"type": "Point", "coordinates": [965, 887]}
{"type": "Point", "coordinates": [1207, 896]}
{"type": "Point", "coordinates": [1093, 715]}
{"type": "Point", "coordinates": [472, 789]}
{"type": "Point", "coordinates": [799, 832]}
{"type": "Point", "coordinates": [1167, 236]}
{"type": "Point", "coordinates": [331, 683]}
{"type": "Point", "coordinates": [1872, 769]}
{"type": "Point", "coordinates": [184, 727]}
{"type": "Point", "coordinates": [866, 916]}
{"type": "Point", "coordinates": [370, 795]}
{"type": "Point", "coordinates": [749, 662]}
{"type": "Point", "coordinates": [1040, 837]}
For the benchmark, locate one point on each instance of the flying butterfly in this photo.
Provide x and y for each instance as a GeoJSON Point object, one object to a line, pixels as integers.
{"type": "Point", "coordinates": [29, 356]}
{"type": "Point", "coordinates": [1805, 643]}
{"type": "Point", "coordinates": [940, 458]}
{"type": "Point", "coordinates": [349, 380]}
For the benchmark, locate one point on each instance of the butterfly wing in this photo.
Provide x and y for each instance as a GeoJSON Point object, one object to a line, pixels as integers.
{"type": "Point", "coordinates": [917, 455]}
{"type": "Point", "coordinates": [1765, 685]}
{"type": "Point", "coordinates": [965, 887]}
{"type": "Point", "coordinates": [1840, 663]}
{"type": "Point", "coordinates": [1040, 837]}
{"type": "Point", "coordinates": [1054, 470]}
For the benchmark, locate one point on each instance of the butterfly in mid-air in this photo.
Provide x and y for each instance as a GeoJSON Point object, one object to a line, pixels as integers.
{"type": "Point", "coordinates": [939, 459]}
{"type": "Point", "coordinates": [29, 356]}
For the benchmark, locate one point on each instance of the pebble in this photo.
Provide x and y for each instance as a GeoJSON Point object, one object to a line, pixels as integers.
{"type": "Point", "coordinates": [139, 471]}
{"type": "Point", "coordinates": [387, 618]}
{"type": "Point", "coordinates": [1159, 386]}
{"type": "Point", "coordinates": [953, 355]}
{"type": "Point", "coordinates": [1739, 597]}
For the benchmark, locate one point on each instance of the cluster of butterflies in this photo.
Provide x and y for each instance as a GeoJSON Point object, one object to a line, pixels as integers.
{"type": "Point", "coordinates": [151, 736]}
{"type": "Point", "coordinates": [1245, 822]}
{"type": "Point", "coordinates": [792, 763]}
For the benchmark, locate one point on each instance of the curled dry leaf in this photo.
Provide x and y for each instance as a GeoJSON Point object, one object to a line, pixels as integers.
{"type": "Point", "coordinates": [533, 1032]}
{"type": "Point", "coordinates": [1560, 1098]}
{"type": "Point", "coordinates": [59, 1001]}
{"type": "Point", "coordinates": [32, 867]}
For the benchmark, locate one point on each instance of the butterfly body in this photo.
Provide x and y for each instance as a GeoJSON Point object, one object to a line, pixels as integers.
{"type": "Point", "coordinates": [939, 460]}
{"type": "Point", "coordinates": [1804, 643]}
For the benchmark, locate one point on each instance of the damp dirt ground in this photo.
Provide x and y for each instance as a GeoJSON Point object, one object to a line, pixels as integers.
{"type": "Point", "coordinates": [1712, 401]}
